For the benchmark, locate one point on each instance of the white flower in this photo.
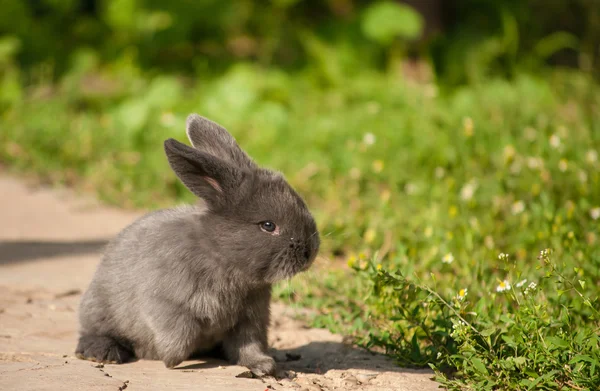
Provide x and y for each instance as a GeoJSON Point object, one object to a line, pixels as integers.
{"type": "Point", "coordinates": [518, 207]}
{"type": "Point", "coordinates": [369, 139]}
{"type": "Point", "coordinates": [521, 283]}
{"type": "Point", "coordinates": [411, 188]}
{"type": "Point", "coordinates": [595, 213]}
{"type": "Point", "coordinates": [354, 173]}
{"type": "Point", "coordinates": [563, 165]}
{"type": "Point", "coordinates": [532, 286]}
{"type": "Point", "coordinates": [515, 168]}
{"type": "Point", "coordinates": [467, 191]}
{"type": "Point", "coordinates": [502, 256]}
{"type": "Point", "coordinates": [462, 294]}
{"type": "Point", "coordinates": [544, 253]}
{"type": "Point", "coordinates": [448, 258]}
{"type": "Point", "coordinates": [591, 156]}
{"type": "Point", "coordinates": [440, 172]}
{"type": "Point", "coordinates": [554, 141]}
{"type": "Point", "coordinates": [530, 133]}
{"type": "Point", "coordinates": [534, 162]}
{"type": "Point", "coordinates": [459, 325]}
{"type": "Point", "coordinates": [503, 286]}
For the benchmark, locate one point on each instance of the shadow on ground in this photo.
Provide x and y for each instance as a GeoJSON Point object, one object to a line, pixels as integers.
{"type": "Point", "coordinates": [31, 250]}
{"type": "Point", "coordinates": [321, 356]}
{"type": "Point", "coordinates": [315, 357]}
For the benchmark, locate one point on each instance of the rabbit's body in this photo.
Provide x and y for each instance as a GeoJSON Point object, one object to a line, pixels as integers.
{"type": "Point", "coordinates": [182, 281]}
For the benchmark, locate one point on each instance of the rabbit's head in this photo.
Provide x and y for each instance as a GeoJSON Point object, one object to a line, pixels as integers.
{"type": "Point", "coordinates": [260, 227]}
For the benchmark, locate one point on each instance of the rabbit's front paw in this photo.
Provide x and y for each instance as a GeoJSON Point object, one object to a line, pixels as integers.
{"type": "Point", "coordinates": [172, 359]}
{"type": "Point", "coordinates": [102, 349]}
{"type": "Point", "coordinates": [172, 362]}
{"type": "Point", "coordinates": [260, 365]}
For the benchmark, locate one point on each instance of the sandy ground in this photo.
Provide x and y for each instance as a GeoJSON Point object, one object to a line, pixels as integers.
{"type": "Point", "coordinates": [50, 243]}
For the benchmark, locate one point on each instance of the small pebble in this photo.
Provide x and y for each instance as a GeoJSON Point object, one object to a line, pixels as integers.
{"type": "Point", "coordinates": [246, 375]}
{"type": "Point", "coordinates": [350, 382]}
{"type": "Point", "coordinates": [365, 377]}
{"type": "Point", "coordinates": [288, 383]}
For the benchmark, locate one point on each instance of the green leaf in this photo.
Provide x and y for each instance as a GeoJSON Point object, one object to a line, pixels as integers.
{"type": "Point", "coordinates": [479, 366]}
{"type": "Point", "coordinates": [520, 361]}
{"type": "Point", "coordinates": [537, 381]}
{"type": "Point", "coordinates": [555, 42]}
{"type": "Point", "coordinates": [384, 21]}
{"type": "Point", "coordinates": [556, 342]}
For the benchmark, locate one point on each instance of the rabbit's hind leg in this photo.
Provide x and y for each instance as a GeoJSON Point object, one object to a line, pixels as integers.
{"type": "Point", "coordinates": [102, 349]}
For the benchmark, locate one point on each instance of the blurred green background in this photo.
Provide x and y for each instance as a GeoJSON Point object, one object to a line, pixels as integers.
{"type": "Point", "coordinates": [428, 137]}
{"type": "Point", "coordinates": [461, 40]}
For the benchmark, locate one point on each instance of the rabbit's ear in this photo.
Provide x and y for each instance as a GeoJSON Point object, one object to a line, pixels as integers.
{"type": "Point", "coordinates": [210, 137]}
{"type": "Point", "coordinates": [207, 176]}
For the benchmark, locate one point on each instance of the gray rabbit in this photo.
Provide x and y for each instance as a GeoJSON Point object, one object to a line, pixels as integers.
{"type": "Point", "coordinates": [189, 280]}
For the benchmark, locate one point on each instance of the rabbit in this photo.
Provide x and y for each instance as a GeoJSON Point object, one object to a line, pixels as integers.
{"type": "Point", "coordinates": [184, 281]}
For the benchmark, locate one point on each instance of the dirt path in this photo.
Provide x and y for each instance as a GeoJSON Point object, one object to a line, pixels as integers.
{"type": "Point", "coordinates": [49, 247]}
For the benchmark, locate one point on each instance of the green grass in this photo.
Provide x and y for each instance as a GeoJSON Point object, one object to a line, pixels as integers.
{"type": "Point", "coordinates": [416, 191]}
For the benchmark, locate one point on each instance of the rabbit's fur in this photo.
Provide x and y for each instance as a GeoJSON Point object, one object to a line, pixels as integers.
{"type": "Point", "coordinates": [187, 280]}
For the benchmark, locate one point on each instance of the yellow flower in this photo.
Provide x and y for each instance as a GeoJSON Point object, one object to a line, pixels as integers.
{"type": "Point", "coordinates": [428, 232]}
{"type": "Point", "coordinates": [352, 261]}
{"type": "Point", "coordinates": [378, 165]}
{"type": "Point", "coordinates": [468, 126]}
{"type": "Point", "coordinates": [509, 153]}
{"type": "Point", "coordinates": [462, 294]}
{"type": "Point", "coordinates": [453, 211]}
{"type": "Point", "coordinates": [385, 195]}
{"type": "Point", "coordinates": [379, 266]}
{"type": "Point", "coordinates": [370, 235]}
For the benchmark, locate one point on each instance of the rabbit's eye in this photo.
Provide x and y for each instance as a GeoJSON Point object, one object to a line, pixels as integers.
{"type": "Point", "coordinates": [268, 226]}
